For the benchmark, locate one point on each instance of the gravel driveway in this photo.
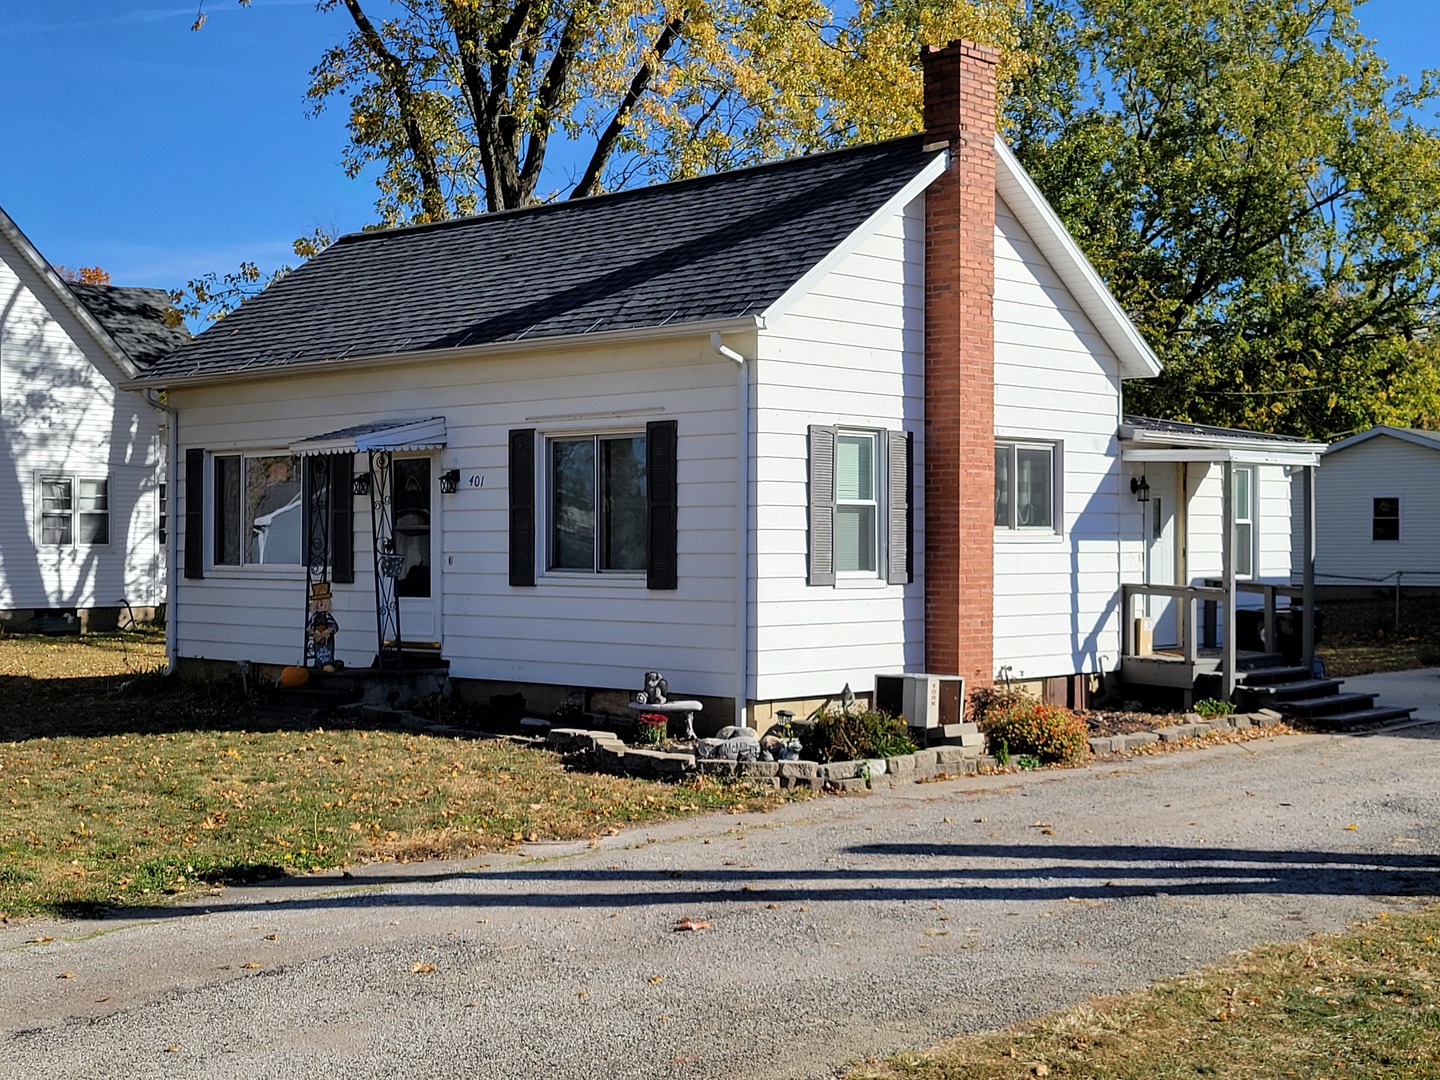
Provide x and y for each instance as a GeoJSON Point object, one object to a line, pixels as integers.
{"type": "Point", "coordinates": [839, 928]}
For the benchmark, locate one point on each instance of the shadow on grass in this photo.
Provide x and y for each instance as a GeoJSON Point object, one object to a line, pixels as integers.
{"type": "Point", "coordinates": [884, 873]}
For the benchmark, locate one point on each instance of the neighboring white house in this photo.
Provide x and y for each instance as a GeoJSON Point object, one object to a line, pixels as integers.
{"type": "Point", "coordinates": [82, 477]}
{"type": "Point", "coordinates": [768, 432]}
{"type": "Point", "coordinates": [1377, 506]}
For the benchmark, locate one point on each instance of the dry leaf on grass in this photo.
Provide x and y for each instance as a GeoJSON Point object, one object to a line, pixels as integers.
{"type": "Point", "coordinates": [40, 939]}
{"type": "Point", "coordinates": [251, 966]}
{"type": "Point", "coordinates": [693, 924]}
{"type": "Point", "coordinates": [422, 969]}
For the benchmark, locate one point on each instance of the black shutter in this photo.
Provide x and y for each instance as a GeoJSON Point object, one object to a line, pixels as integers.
{"type": "Point", "coordinates": [522, 506]}
{"type": "Point", "coordinates": [194, 514]}
{"type": "Point", "coordinates": [822, 506]}
{"type": "Point", "coordinates": [662, 566]}
{"type": "Point", "coordinates": [342, 518]}
{"type": "Point", "coordinates": [898, 517]}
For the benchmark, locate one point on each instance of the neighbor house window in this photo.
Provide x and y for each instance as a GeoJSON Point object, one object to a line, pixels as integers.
{"type": "Point", "coordinates": [74, 510]}
{"type": "Point", "coordinates": [164, 522]}
{"type": "Point", "coordinates": [1385, 520]}
{"type": "Point", "coordinates": [598, 503]}
{"type": "Point", "coordinates": [258, 512]}
{"type": "Point", "coordinates": [1026, 479]}
{"type": "Point", "coordinates": [1243, 483]}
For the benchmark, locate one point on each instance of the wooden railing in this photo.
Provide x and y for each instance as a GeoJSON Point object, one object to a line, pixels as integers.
{"type": "Point", "coordinates": [1190, 597]}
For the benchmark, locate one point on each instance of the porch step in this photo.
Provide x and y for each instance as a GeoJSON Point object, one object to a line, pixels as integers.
{"type": "Point", "coordinates": [1355, 718]}
{"type": "Point", "coordinates": [1333, 705]}
{"type": "Point", "coordinates": [1260, 661]}
{"type": "Point", "coordinates": [1290, 691]}
{"type": "Point", "coordinates": [1266, 676]}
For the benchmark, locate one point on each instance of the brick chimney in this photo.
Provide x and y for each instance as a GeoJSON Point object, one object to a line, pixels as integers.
{"type": "Point", "coordinates": [960, 364]}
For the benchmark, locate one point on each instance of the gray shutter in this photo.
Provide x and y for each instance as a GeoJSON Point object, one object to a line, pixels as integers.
{"type": "Point", "coordinates": [194, 514]}
{"type": "Point", "coordinates": [522, 506]}
{"type": "Point", "coordinates": [662, 570]}
{"type": "Point", "coordinates": [822, 506]}
{"type": "Point", "coordinates": [897, 516]}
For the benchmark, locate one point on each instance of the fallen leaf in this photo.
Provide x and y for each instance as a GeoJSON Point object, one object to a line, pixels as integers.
{"type": "Point", "coordinates": [41, 939]}
{"type": "Point", "coordinates": [1042, 1069]}
{"type": "Point", "coordinates": [656, 980]}
{"type": "Point", "coordinates": [66, 975]}
{"type": "Point", "coordinates": [1351, 827]}
{"type": "Point", "coordinates": [422, 969]}
{"type": "Point", "coordinates": [252, 966]}
{"type": "Point", "coordinates": [693, 924]}
{"type": "Point", "coordinates": [472, 1004]}
{"type": "Point", "coordinates": [773, 907]}
{"type": "Point", "coordinates": [173, 1048]}
{"type": "Point", "coordinates": [272, 937]}
{"type": "Point", "coordinates": [1047, 832]}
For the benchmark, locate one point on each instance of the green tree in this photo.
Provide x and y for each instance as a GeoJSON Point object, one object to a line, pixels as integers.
{"type": "Point", "coordinates": [1260, 194]}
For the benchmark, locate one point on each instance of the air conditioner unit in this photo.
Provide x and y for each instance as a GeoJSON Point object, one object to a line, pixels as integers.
{"type": "Point", "coordinates": [925, 701]}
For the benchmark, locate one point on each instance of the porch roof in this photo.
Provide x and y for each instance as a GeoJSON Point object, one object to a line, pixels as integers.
{"type": "Point", "coordinates": [1145, 439]}
{"type": "Point", "coordinates": [427, 434]}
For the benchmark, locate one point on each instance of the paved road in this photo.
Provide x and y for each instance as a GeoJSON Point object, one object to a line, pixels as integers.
{"type": "Point", "coordinates": [838, 928]}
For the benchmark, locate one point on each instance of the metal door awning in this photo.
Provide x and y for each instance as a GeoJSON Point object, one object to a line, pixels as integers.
{"type": "Point", "coordinates": [389, 435]}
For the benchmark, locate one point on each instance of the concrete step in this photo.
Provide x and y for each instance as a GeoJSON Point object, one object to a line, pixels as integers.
{"type": "Point", "coordinates": [1333, 705]}
{"type": "Point", "coordinates": [1359, 717]}
{"type": "Point", "coordinates": [1292, 691]}
{"type": "Point", "coordinates": [1270, 675]}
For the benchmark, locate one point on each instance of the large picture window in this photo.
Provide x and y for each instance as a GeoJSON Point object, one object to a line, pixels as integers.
{"type": "Point", "coordinates": [259, 517]}
{"type": "Point", "coordinates": [597, 493]}
{"type": "Point", "coordinates": [1026, 480]}
{"type": "Point", "coordinates": [74, 510]}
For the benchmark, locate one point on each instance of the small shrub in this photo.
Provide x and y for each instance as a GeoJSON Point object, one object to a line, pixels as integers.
{"type": "Point", "coordinates": [1212, 707]}
{"type": "Point", "coordinates": [651, 728]}
{"type": "Point", "coordinates": [1021, 726]}
{"type": "Point", "coordinates": [842, 736]}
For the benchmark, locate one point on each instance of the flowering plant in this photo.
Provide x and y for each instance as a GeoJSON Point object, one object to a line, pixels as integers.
{"type": "Point", "coordinates": [651, 727]}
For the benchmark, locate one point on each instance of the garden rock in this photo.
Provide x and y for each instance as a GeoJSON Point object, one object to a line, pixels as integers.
{"type": "Point", "coordinates": [730, 749]}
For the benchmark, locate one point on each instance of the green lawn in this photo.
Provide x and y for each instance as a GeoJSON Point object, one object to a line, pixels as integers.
{"type": "Point", "coordinates": [119, 788]}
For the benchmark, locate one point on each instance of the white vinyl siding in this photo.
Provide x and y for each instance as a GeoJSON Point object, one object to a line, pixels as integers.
{"type": "Point", "coordinates": [1057, 384]}
{"type": "Point", "coordinates": [63, 417]}
{"type": "Point", "coordinates": [848, 355]}
{"type": "Point", "coordinates": [595, 630]}
{"type": "Point", "coordinates": [1270, 533]}
{"type": "Point", "coordinates": [1346, 486]}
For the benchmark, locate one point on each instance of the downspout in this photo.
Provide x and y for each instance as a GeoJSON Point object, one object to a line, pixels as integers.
{"type": "Point", "coordinates": [742, 528]}
{"type": "Point", "coordinates": [172, 611]}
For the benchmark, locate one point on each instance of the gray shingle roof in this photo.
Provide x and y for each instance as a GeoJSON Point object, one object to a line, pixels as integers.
{"type": "Point", "coordinates": [135, 318]}
{"type": "Point", "coordinates": [718, 247]}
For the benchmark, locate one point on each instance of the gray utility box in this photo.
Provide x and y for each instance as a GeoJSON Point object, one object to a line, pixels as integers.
{"type": "Point", "coordinates": [925, 701]}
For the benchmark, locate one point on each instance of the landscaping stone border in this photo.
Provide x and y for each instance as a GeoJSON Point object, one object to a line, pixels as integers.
{"type": "Point", "coordinates": [1194, 727]}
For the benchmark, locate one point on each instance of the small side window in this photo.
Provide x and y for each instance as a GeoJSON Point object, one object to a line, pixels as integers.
{"type": "Point", "coordinates": [1027, 480]}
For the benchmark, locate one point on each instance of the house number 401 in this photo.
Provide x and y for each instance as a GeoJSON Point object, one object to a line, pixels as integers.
{"type": "Point", "coordinates": [477, 480]}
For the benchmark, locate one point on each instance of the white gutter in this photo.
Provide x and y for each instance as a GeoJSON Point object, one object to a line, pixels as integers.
{"type": "Point", "coordinates": [468, 352]}
{"type": "Point", "coordinates": [172, 580]}
{"type": "Point", "coordinates": [742, 528]}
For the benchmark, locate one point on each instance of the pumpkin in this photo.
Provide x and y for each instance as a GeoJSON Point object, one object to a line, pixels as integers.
{"type": "Point", "coordinates": [294, 677]}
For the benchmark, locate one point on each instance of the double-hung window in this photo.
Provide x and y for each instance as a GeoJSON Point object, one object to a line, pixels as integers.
{"type": "Point", "coordinates": [1385, 519]}
{"type": "Point", "coordinates": [74, 510]}
{"type": "Point", "coordinates": [1243, 502]}
{"type": "Point", "coordinates": [859, 506]}
{"type": "Point", "coordinates": [258, 517]}
{"type": "Point", "coordinates": [1027, 477]}
{"type": "Point", "coordinates": [598, 503]}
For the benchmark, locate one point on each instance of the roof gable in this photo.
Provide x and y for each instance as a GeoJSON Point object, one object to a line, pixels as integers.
{"type": "Point", "coordinates": [135, 318]}
{"type": "Point", "coordinates": [721, 247]}
{"type": "Point", "coordinates": [1418, 436]}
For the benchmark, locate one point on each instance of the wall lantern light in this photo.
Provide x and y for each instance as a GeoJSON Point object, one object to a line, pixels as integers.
{"type": "Point", "coordinates": [1140, 489]}
{"type": "Point", "coordinates": [360, 485]}
{"type": "Point", "coordinates": [449, 481]}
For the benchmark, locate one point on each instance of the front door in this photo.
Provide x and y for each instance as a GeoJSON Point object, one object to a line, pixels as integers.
{"type": "Point", "coordinates": [417, 537]}
{"type": "Point", "coordinates": [1160, 561]}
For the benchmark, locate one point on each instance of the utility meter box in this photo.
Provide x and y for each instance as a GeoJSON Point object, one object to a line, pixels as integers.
{"type": "Point", "coordinates": [925, 701]}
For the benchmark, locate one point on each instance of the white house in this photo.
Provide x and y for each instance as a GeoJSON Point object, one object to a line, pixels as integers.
{"type": "Point", "coordinates": [82, 479]}
{"type": "Point", "coordinates": [768, 432]}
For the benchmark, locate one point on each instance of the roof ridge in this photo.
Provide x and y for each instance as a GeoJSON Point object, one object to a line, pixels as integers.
{"type": "Point", "coordinates": [624, 193]}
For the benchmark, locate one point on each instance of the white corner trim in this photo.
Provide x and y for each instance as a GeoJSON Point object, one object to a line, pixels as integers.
{"type": "Point", "coordinates": [1137, 359]}
{"type": "Point", "coordinates": [892, 206]}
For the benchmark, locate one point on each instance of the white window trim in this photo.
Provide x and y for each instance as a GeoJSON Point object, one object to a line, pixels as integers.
{"type": "Point", "coordinates": [1399, 518]}
{"type": "Point", "coordinates": [244, 568]}
{"type": "Point", "coordinates": [880, 503]}
{"type": "Point", "coordinates": [1056, 447]}
{"type": "Point", "coordinates": [1253, 482]}
{"type": "Point", "coordinates": [74, 478]}
{"type": "Point", "coordinates": [545, 505]}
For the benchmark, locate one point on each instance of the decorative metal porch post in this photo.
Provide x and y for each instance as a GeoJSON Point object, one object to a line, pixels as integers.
{"type": "Point", "coordinates": [319, 500]}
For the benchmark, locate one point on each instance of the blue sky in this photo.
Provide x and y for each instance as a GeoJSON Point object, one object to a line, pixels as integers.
{"type": "Point", "coordinates": [157, 153]}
